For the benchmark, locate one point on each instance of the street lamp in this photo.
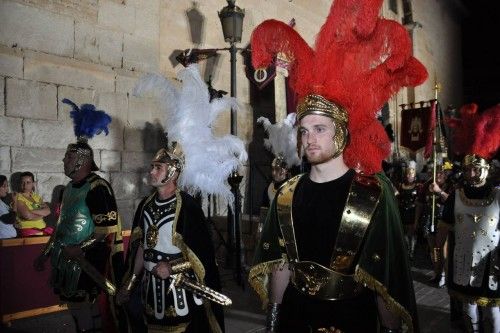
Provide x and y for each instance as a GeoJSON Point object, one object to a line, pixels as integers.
{"type": "Point", "coordinates": [231, 18]}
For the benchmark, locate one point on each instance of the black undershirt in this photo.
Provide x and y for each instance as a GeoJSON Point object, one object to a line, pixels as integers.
{"type": "Point", "coordinates": [317, 211]}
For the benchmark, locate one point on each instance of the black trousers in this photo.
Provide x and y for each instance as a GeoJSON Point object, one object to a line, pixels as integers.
{"type": "Point", "coordinates": [301, 313]}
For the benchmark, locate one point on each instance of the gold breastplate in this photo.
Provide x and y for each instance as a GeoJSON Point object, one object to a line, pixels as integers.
{"type": "Point", "coordinates": [334, 282]}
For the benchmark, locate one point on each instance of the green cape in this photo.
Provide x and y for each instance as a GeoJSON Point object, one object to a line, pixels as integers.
{"type": "Point", "coordinates": [382, 267]}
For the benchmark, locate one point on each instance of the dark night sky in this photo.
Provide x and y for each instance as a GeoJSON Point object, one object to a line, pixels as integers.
{"type": "Point", "coordinates": [481, 58]}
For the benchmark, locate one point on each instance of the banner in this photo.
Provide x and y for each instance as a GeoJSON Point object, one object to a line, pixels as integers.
{"type": "Point", "coordinates": [417, 127]}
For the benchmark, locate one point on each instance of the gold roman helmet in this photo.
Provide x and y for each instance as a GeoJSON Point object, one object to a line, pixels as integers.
{"type": "Point", "coordinates": [174, 159]}
{"type": "Point", "coordinates": [84, 152]}
{"type": "Point", "coordinates": [318, 105]}
{"type": "Point", "coordinates": [473, 161]}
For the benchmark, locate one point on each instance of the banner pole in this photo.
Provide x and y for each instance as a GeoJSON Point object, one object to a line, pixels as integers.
{"type": "Point", "coordinates": [434, 143]}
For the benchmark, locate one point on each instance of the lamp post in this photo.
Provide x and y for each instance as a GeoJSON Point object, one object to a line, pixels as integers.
{"type": "Point", "coordinates": [231, 17]}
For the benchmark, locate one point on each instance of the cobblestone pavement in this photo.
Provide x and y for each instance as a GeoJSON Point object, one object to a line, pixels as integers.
{"type": "Point", "coordinates": [246, 315]}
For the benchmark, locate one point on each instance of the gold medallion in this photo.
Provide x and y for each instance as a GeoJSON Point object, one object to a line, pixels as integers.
{"type": "Point", "coordinates": [152, 236]}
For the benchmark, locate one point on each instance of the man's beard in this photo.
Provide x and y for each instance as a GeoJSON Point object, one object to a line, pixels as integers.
{"type": "Point", "coordinates": [319, 158]}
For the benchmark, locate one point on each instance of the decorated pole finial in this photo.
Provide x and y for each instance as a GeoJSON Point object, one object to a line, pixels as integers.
{"type": "Point", "coordinates": [437, 86]}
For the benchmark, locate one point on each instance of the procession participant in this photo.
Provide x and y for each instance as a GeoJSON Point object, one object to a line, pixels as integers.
{"type": "Point", "coordinates": [331, 246]}
{"type": "Point", "coordinates": [440, 190]}
{"type": "Point", "coordinates": [86, 249]}
{"type": "Point", "coordinates": [282, 143]}
{"type": "Point", "coordinates": [472, 214]}
{"type": "Point", "coordinates": [171, 238]}
{"type": "Point", "coordinates": [408, 192]}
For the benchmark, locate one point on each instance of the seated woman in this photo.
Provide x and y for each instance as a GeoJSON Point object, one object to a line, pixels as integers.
{"type": "Point", "coordinates": [31, 209]}
{"type": "Point", "coordinates": [7, 212]}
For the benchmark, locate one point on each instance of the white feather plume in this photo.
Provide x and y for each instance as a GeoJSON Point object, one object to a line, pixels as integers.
{"type": "Point", "coordinates": [282, 139]}
{"type": "Point", "coordinates": [189, 116]}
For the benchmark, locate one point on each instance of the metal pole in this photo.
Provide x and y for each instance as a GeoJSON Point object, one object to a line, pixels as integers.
{"type": "Point", "coordinates": [234, 217]}
{"type": "Point", "coordinates": [234, 123]}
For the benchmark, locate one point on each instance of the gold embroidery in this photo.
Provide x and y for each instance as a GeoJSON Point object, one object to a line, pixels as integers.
{"type": "Point", "coordinates": [109, 216]}
{"type": "Point", "coordinates": [170, 312]}
{"type": "Point", "coordinates": [481, 301]}
{"type": "Point", "coordinates": [152, 236]}
{"type": "Point", "coordinates": [363, 277]}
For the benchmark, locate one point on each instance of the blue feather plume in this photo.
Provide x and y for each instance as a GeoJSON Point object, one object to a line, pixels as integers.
{"type": "Point", "coordinates": [87, 121]}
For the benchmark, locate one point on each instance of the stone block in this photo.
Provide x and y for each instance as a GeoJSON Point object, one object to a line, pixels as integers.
{"type": "Point", "coordinates": [149, 138]}
{"type": "Point", "coordinates": [136, 161]}
{"type": "Point", "coordinates": [126, 81]}
{"type": "Point", "coordinates": [11, 131]}
{"type": "Point", "coordinates": [47, 133]}
{"type": "Point", "coordinates": [125, 185]}
{"type": "Point", "coordinates": [36, 29]}
{"type": "Point", "coordinates": [41, 159]}
{"type": "Point", "coordinates": [49, 185]}
{"type": "Point", "coordinates": [78, 95]}
{"type": "Point", "coordinates": [141, 54]}
{"type": "Point", "coordinates": [4, 159]}
{"type": "Point", "coordinates": [80, 9]}
{"type": "Point", "coordinates": [143, 110]}
{"type": "Point", "coordinates": [115, 104]}
{"type": "Point", "coordinates": [68, 72]}
{"type": "Point", "coordinates": [116, 16]}
{"type": "Point", "coordinates": [112, 141]}
{"type": "Point", "coordinates": [133, 138]}
{"type": "Point", "coordinates": [110, 160]}
{"type": "Point", "coordinates": [98, 45]}
{"type": "Point", "coordinates": [147, 20]}
{"type": "Point", "coordinates": [28, 99]}
{"type": "Point", "coordinates": [11, 62]}
{"type": "Point", "coordinates": [139, 3]}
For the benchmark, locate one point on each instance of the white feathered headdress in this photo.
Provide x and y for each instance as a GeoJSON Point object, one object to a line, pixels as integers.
{"type": "Point", "coordinates": [282, 140]}
{"type": "Point", "coordinates": [189, 115]}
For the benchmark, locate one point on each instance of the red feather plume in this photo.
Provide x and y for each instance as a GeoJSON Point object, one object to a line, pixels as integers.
{"type": "Point", "coordinates": [360, 60]}
{"type": "Point", "coordinates": [476, 132]}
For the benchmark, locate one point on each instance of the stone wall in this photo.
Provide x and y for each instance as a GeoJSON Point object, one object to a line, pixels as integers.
{"type": "Point", "coordinates": [93, 52]}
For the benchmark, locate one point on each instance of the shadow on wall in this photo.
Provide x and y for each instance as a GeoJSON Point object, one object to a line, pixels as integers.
{"type": "Point", "coordinates": [153, 137]}
{"type": "Point", "coordinates": [196, 23]}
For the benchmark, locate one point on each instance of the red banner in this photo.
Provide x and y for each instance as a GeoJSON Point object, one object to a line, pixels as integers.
{"type": "Point", "coordinates": [417, 127]}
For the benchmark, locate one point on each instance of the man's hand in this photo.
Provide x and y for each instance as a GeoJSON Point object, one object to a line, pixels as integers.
{"type": "Point", "coordinates": [162, 270]}
{"type": "Point", "coordinates": [72, 251]}
{"type": "Point", "coordinates": [434, 188]}
{"type": "Point", "coordinates": [39, 263]}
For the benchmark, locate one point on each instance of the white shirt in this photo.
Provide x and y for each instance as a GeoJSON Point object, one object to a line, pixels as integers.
{"type": "Point", "coordinates": [6, 230]}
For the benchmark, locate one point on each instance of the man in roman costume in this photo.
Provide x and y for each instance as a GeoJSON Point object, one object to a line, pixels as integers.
{"type": "Point", "coordinates": [471, 213]}
{"type": "Point", "coordinates": [330, 256]}
{"type": "Point", "coordinates": [86, 249]}
{"type": "Point", "coordinates": [170, 237]}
